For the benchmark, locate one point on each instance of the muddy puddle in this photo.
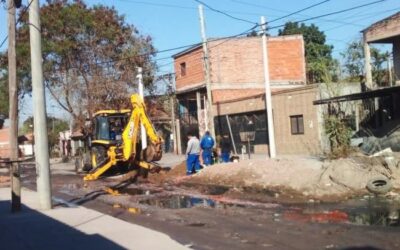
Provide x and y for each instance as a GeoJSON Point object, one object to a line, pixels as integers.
{"type": "Point", "coordinates": [371, 211]}
{"type": "Point", "coordinates": [179, 202]}
{"type": "Point", "coordinates": [138, 191]}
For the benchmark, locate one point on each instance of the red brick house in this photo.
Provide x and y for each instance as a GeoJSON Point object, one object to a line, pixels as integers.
{"type": "Point", "coordinates": [237, 86]}
{"type": "Point", "coordinates": [25, 143]}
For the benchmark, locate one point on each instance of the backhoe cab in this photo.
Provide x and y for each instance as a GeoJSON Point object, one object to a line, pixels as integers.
{"type": "Point", "coordinates": [115, 140]}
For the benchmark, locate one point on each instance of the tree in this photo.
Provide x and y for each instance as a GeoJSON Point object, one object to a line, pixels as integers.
{"type": "Point", "coordinates": [318, 54]}
{"type": "Point", "coordinates": [354, 62]}
{"type": "Point", "coordinates": [90, 56]}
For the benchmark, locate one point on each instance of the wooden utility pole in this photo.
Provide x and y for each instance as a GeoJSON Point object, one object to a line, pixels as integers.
{"type": "Point", "coordinates": [39, 111]}
{"type": "Point", "coordinates": [207, 73]}
{"type": "Point", "coordinates": [13, 110]}
{"type": "Point", "coordinates": [268, 97]}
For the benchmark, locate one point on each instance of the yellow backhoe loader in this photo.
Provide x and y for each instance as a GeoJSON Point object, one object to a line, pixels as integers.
{"type": "Point", "coordinates": [115, 140]}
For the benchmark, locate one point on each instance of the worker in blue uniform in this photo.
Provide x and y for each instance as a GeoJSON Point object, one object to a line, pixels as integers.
{"type": "Point", "coordinates": [207, 144]}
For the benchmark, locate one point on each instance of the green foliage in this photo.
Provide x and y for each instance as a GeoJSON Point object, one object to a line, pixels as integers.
{"type": "Point", "coordinates": [317, 52]}
{"type": "Point", "coordinates": [339, 134]}
{"type": "Point", "coordinates": [379, 74]}
{"type": "Point", "coordinates": [338, 123]}
{"type": "Point", "coordinates": [90, 56]}
{"type": "Point", "coordinates": [354, 62]}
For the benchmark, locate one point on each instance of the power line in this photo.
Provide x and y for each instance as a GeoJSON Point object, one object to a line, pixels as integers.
{"type": "Point", "coordinates": [224, 38]}
{"type": "Point", "coordinates": [365, 16]}
{"type": "Point", "coordinates": [298, 11]}
{"type": "Point", "coordinates": [329, 14]}
{"type": "Point", "coordinates": [223, 13]}
{"type": "Point", "coordinates": [284, 11]}
{"type": "Point", "coordinates": [241, 34]}
{"type": "Point", "coordinates": [160, 4]}
{"type": "Point", "coordinates": [18, 21]}
{"type": "Point", "coordinates": [258, 6]}
{"type": "Point", "coordinates": [185, 7]}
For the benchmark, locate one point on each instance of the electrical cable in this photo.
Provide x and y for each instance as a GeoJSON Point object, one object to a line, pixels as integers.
{"type": "Point", "coordinates": [224, 38]}
{"type": "Point", "coordinates": [184, 7]}
{"type": "Point", "coordinates": [369, 15]}
{"type": "Point", "coordinates": [298, 11]}
{"type": "Point", "coordinates": [327, 14]}
{"type": "Point", "coordinates": [19, 20]}
{"type": "Point", "coordinates": [223, 13]}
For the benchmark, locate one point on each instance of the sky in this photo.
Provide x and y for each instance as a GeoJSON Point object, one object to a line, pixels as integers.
{"type": "Point", "coordinates": [175, 23]}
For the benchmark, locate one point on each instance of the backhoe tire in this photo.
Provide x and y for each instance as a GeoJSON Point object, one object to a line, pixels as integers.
{"type": "Point", "coordinates": [86, 162]}
{"type": "Point", "coordinates": [98, 156]}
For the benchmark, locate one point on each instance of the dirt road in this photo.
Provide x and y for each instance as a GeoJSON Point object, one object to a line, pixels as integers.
{"type": "Point", "coordinates": [213, 217]}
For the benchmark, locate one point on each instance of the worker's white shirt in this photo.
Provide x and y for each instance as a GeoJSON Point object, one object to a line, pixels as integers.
{"type": "Point", "coordinates": [193, 146]}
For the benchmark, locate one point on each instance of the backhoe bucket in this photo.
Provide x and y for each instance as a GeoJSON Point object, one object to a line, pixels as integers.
{"type": "Point", "coordinates": [152, 153]}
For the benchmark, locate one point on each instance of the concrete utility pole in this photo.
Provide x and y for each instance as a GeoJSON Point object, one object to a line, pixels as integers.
{"type": "Point", "coordinates": [207, 72]}
{"type": "Point", "coordinates": [178, 136]}
{"type": "Point", "coordinates": [198, 106]}
{"type": "Point", "coordinates": [367, 65]}
{"type": "Point", "coordinates": [389, 65]}
{"type": "Point", "coordinates": [268, 98]}
{"type": "Point", "coordinates": [39, 109]}
{"type": "Point", "coordinates": [13, 110]}
{"type": "Point", "coordinates": [173, 125]}
{"type": "Point", "coordinates": [141, 93]}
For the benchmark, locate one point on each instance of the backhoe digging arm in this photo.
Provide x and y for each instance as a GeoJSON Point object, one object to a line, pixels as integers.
{"type": "Point", "coordinates": [125, 151]}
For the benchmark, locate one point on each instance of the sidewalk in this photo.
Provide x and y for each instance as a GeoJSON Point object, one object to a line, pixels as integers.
{"type": "Point", "coordinates": [71, 228]}
{"type": "Point", "coordinates": [171, 160]}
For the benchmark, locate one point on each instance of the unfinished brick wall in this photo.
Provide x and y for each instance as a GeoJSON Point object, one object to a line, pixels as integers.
{"type": "Point", "coordinates": [238, 61]}
{"type": "Point", "coordinates": [299, 102]}
{"type": "Point", "coordinates": [194, 68]}
{"type": "Point", "coordinates": [383, 29]}
{"type": "Point", "coordinates": [241, 60]}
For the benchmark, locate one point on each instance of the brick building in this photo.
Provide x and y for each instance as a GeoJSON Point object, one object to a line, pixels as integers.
{"type": "Point", "coordinates": [238, 92]}
{"type": "Point", "coordinates": [25, 144]}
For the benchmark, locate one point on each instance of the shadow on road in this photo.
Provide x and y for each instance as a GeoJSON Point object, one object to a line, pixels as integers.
{"type": "Point", "coordinates": [94, 194]}
{"type": "Point", "coordinates": [30, 229]}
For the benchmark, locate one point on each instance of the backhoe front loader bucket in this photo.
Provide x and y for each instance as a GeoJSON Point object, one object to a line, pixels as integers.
{"type": "Point", "coordinates": [152, 152]}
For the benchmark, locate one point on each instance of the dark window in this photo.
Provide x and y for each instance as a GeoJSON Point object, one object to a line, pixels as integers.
{"type": "Point", "coordinates": [183, 69]}
{"type": "Point", "coordinates": [297, 124]}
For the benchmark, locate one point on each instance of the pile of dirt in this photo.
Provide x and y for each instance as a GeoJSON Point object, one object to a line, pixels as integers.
{"type": "Point", "coordinates": [168, 175]}
{"type": "Point", "coordinates": [310, 177]}
{"type": "Point", "coordinates": [352, 174]}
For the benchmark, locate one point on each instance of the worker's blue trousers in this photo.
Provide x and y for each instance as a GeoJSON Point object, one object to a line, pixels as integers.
{"type": "Point", "coordinates": [225, 157]}
{"type": "Point", "coordinates": [207, 156]}
{"type": "Point", "coordinates": [192, 163]}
